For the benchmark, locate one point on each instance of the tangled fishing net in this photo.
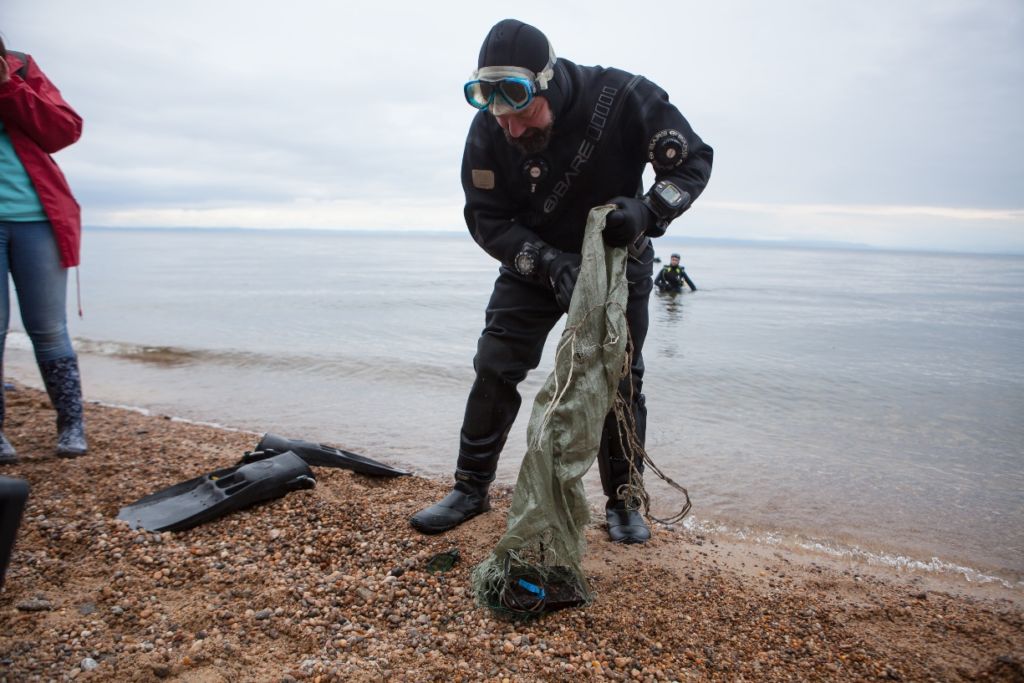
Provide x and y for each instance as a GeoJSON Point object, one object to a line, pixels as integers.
{"type": "Point", "coordinates": [536, 566]}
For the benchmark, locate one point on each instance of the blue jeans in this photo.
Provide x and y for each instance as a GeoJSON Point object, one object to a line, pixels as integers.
{"type": "Point", "coordinates": [28, 251]}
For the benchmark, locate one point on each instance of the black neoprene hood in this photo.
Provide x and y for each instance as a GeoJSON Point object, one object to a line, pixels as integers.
{"type": "Point", "coordinates": [510, 42]}
{"type": "Point", "coordinates": [513, 43]}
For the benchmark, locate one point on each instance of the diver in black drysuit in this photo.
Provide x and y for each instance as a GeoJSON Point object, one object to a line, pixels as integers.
{"type": "Point", "coordinates": [672, 277]}
{"type": "Point", "coordinates": [527, 202]}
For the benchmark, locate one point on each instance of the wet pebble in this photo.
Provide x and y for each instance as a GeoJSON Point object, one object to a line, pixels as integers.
{"type": "Point", "coordinates": [34, 605]}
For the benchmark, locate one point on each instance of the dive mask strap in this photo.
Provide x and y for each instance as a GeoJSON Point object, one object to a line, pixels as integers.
{"type": "Point", "coordinates": [545, 76]}
{"type": "Point", "coordinates": [496, 73]}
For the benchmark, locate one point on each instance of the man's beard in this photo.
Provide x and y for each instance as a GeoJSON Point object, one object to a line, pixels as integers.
{"type": "Point", "coordinates": [533, 140]}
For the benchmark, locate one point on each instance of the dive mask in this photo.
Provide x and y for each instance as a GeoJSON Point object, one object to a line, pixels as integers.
{"type": "Point", "coordinates": [507, 89]}
{"type": "Point", "coordinates": [503, 94]}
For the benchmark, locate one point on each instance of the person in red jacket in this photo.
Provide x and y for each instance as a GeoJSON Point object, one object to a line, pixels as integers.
{"type": "Point", "coordinates": [40, 236]}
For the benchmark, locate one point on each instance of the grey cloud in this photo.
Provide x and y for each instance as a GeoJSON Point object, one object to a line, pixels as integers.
{"type": "Point", "coordinates": [194, 103]}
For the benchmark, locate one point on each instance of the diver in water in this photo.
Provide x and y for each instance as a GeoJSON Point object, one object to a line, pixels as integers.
{"type": "Point", "coordinates": [673, 277]}
{"type": "Point", "coordinates": [551, 141]}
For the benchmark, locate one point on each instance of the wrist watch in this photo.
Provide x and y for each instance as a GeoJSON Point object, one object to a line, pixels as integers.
{"type": "Point", "coordinates": [527, 259]}
{"type": "Point", "coordinates": [666, 201]}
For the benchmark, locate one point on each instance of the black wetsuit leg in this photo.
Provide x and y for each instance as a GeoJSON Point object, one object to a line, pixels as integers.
{"type": "Point", "coordinates": [612, 456]}
{"type": "Point", "coordinates": [519, 317]}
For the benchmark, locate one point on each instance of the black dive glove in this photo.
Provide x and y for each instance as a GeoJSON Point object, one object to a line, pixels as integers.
{"type": "Point", "coordinates": [629, 222]}
{"type": "Point", "coordinates": [560, 270]}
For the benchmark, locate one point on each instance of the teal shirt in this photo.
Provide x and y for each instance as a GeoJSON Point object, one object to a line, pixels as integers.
{"type": "Point", "coordinates": [19, 202]}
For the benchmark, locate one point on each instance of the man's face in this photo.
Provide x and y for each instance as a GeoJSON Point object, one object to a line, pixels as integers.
{"type": "Point", "coordinates": [675, 260]}
{"type": "Point", "coordinates": [529, 129]}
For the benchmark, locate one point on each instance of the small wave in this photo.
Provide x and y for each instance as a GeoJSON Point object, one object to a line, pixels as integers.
{"type": "Point", "coordinates": [144, 353]}
{"type": "Point", "coordinates": [934, 565]}
{"type": "Point", "coordinates": [157, 355]}
{"type": "Point", "coordinates": [320, 365]}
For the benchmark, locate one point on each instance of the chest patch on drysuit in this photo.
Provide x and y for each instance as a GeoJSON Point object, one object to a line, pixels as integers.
{"type": "Point", "coordinates": [483, 179]}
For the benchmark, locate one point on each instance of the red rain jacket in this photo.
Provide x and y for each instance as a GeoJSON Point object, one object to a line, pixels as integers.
{"type": "Point", "coordinates": [41, 123]}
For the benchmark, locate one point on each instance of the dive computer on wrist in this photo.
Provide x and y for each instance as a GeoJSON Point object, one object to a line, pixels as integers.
{"type": "Point", "coordinates": [666, 201]}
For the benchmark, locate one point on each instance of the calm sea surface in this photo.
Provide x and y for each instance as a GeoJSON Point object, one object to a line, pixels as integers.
{"type": "Point", "coordinates": [860, 402]}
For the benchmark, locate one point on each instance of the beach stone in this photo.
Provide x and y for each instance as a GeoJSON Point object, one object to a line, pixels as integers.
{"type": "Point", "coordinates": [263, 614]}
{"type": "Point", "coordinates": [34, 605]}
{"type": "Point", "coordinates": [88, 664]}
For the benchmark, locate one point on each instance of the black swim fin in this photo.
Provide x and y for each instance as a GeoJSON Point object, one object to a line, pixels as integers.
{"type": "Point", "coordinates": [213, 495]}
{"type": "Point", "coordinates": [319, 455]}
{"type": "Point", "coordinates": [13, 494]}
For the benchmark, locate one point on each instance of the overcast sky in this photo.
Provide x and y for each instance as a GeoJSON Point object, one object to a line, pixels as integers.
{"type": "Point", "coordinates": [895, 124]}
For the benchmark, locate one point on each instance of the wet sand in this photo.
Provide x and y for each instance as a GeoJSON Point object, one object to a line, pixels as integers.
{"type": "Point", "coordinates": [330, 584]}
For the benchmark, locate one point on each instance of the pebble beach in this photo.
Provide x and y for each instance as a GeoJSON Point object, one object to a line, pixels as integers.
{"type": "Point", "coordinates": [331, 584]}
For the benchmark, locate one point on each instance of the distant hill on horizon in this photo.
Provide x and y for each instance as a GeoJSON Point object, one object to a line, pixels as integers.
{"type": "Point", "coordinates": [667, 239]}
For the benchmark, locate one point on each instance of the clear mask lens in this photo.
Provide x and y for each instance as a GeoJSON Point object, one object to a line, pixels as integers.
{"type": "Point", "coordinates": [479, 93]}
{"type": "Point", "coordinates": [516, 92]}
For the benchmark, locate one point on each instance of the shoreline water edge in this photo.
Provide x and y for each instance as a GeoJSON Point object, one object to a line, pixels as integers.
{"type": "Point", "coordinates": [330, 584]}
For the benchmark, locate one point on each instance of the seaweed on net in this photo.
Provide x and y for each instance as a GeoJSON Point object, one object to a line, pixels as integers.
{"type": "Point", "coordinates": [527, 582]}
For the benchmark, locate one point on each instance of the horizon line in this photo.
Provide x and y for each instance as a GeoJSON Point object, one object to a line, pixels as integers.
{"type": "Point", "coordinates": [818, 243]}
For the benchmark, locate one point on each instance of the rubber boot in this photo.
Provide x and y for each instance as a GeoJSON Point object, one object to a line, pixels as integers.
{"type": "Point", "coordinates": [625, 525]}
{"type": "Point", "coordinates": [7, 453]}
{"type": "Point", "coordinates": [64, 385]}
{"type": "Point", "coordinates": [467, 500]}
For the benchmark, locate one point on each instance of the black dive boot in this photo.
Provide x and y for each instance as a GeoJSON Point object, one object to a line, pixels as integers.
{"type": "Point", "coordinates": [625, 525]}
{"type": "Point", "coordinates": [64, 385]}
{"type": "Point", "coordinates": [7, 452]}
{"type": "Point", "coordinates": [467, 500]}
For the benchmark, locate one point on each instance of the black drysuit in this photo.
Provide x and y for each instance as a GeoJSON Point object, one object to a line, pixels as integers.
{"type": "Point", "coordinates": [513, 198]}
{"type": "Point", "coordinates": [670, 279]}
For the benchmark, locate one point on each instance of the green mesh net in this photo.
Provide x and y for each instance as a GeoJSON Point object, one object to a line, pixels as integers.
{"type": "Point", "coordinates": [536, 565]}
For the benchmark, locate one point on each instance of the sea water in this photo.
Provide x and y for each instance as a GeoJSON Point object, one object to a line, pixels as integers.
{"type": "Point", "coordinates": [856, 401]}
